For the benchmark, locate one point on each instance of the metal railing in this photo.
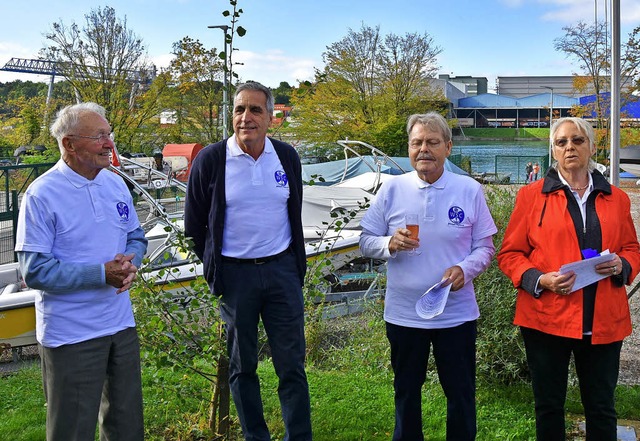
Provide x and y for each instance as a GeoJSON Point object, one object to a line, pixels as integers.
{"type": "Point", "coordinates": [14, 180]}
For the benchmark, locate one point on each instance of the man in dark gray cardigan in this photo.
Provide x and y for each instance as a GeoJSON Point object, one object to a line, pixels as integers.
{"type": "Point", "coordinates": [243, 212]}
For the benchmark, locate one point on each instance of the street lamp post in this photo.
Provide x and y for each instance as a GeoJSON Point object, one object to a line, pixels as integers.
{"type": "Point", "coordinates": [225, 92]}
{"type": "Point", "coordinates": [550, 119]}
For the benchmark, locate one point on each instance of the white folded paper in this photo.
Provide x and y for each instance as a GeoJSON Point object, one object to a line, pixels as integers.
{"type": "Point", "coordinates": [432, 302]}
{"type": "Point", "coordinates": [586, 270]}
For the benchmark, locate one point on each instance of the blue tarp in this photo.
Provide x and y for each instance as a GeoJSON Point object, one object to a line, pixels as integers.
{"type": "Point", "coordinates": [333, 171]}
{"type": "Point", "coordinates": [630, 109]}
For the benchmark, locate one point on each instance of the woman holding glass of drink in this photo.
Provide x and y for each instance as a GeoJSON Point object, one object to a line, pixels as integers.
{"type": "Point", "coordinates": [455, 243]}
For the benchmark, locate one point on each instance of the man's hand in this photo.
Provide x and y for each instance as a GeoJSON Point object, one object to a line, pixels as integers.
{"type": "Point", "coordinates": [456, 277]}
{"type": "Point", "coordinates": [401, 241]}
{"type": "Point", "coordinates": [120, 272]}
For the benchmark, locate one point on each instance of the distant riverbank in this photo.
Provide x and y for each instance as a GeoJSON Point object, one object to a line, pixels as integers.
{"type": "Point", "coordinates": [628, 136]}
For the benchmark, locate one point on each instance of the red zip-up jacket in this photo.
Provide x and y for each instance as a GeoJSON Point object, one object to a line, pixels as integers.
{"type": "Point", "coordinates": [542, 236]}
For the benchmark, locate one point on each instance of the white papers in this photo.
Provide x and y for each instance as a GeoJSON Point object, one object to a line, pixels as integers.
{"type": "Point", "coordinates": [431, 303]}
{"type": "Point", "coordinates": [585, 270]}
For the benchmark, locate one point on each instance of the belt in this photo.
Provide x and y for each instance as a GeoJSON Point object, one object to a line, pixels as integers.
{"type": "Point", "coordinates": [257, 260]}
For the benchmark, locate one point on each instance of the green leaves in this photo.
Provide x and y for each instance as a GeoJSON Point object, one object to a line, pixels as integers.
{"type": "Point", "coordinates": [500, 351]}
{"type": "Point", "coordinates": [180, 326]}
{"type": "Point", "coordinates": [368, 87]}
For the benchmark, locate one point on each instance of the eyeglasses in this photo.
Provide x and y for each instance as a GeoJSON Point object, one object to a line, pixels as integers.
{"type": "Point", "coordinates": [431, 143]}
{"type": "Point", "coordinates": [102, 137]}
{"type": "Point", "coordinates": [562, 142]}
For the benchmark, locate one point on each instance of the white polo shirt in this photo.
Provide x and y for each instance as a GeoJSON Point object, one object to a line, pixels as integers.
{"type": "Point", "coordinates": [455, 229]}
{"type": "Point", "coordinates": [85, 222]}
{"type": "Point", "coordinates": [256, 222]}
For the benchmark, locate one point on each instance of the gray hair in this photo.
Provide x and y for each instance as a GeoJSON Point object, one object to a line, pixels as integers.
{"type": "Point", "coordinates": [584, 127]}
{"type": "Point", "coordinates": [68, 118]}
{"type": "Point", "coordinates": [431, 120]}
{"type": "Point", "coordinates": [254, 85]}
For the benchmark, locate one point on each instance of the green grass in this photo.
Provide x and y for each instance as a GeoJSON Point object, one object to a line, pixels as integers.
{"type": "Point", "coordinates": [349, 406]}
{"type": "Point", "coordinates": [351, 396]}
{"type": "Point", "coordinates": [508, 133]}
{"type": "Point", "coordinates": [22, 407]}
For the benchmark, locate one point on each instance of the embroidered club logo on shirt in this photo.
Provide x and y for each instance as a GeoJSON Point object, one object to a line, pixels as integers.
{"type": "Point", "coordinates": [281, 178]}
{"type": "Point", "coordinates": [123, 211]}
{"type": "Point", "coordinates": [456, 215]}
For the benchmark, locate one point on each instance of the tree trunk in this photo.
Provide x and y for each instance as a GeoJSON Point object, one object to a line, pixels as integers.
{"type": "Point", "coordinates": [223, 395]}
{"type": "Point", "coordinates": [220, 400]}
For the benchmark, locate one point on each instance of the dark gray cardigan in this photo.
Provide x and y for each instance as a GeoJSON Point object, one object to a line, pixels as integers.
{"type": "Point", "coordinates": [205, 207]}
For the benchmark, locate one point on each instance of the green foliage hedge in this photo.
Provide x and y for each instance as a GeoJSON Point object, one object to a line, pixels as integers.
{"type": "Point", "coordinates": [500, 351]}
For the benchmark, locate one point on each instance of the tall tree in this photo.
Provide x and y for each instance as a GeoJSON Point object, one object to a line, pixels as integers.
{"type": "Point", "coordinates": [230, 32]}
{"type": "Point", "coordinates": [586, 43]}
{"type": "Point", "coordinates": [367, 88]}
{"type": "Point", "coordinates": [407, 64]}
{"type": "Point", "coordinates": [282, 94]}
{"type": "Point", "coordinates": [354, 60]}
{"type": "Point", "coordinates": [107, 63]}
{"type": "Point", "coordinates": [630, 69]}
{"type": "Point", "coordinates": [581, 42]}
{"type": "Point", "coordinates": [197, 74]}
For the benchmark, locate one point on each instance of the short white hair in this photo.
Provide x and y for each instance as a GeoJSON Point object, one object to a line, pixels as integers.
{"type": "Point", "coordinates": [68, 118]}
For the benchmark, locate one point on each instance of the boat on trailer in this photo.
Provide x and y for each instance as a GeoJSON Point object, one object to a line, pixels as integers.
{"type": "Point", "coordinates": [17, 311]}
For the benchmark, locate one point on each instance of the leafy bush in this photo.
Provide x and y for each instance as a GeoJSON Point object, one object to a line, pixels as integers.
{"type": "Point", "coordinates": [181, 331]}
{"type": "Point", "coordinates": [319, 276]}
{"type": "Point", "coordinates": [500, 351]}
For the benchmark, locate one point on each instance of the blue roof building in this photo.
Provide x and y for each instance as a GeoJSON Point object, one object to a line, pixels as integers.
{"type": "Point", "coordinates": [518, 104]}
{"type": "Point", "coordinates": [491, 110]}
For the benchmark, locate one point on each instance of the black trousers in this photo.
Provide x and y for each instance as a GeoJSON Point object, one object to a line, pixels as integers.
{"type": "Point", "coordinates": [271, 292]}
{"type": "Point", "coordinates": [597, 368]}
{"type": "Point", "coordinates": [454, 350]}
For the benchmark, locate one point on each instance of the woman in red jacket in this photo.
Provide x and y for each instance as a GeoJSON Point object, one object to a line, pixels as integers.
{"type": "Point", "coordinates": [569, 215]}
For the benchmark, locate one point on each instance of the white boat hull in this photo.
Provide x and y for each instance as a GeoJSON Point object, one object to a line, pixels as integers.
{"type": "Point", "coordinates": [174, 269]}
{"type": "Point", "coordinates": [634, 169]}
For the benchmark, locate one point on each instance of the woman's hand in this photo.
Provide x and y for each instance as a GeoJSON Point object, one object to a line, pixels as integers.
{"type": "Point", "coordinates": [610, 268]}
{"type": "Point", "coordinates": [558, 283]}
{"type": "Point", "coordinates": [400, 241]}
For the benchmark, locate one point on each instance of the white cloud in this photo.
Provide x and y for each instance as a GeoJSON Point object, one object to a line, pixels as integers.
{"type": "Point", "coordinates": [630, 12]}
{"type": "Point", "coordinates": [572, 11]}
{"type": "Point", "coordinates": [162, 61]}
{"type": "Point", "coordinates": [9, 50]}
{"type": "Point", "coordinates": [274, 66]}
{"type": "Point", "coordinates": [270, 68]}
{"type": "Point", "coordinates": [569, 11]}
{"type": "Point", "coordinates": [512, 3]}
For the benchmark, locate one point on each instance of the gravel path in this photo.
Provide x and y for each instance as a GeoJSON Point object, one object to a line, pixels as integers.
{"type": "Point", "coordinates": [630, 357]}
{"type": "Point", "coordinates": [24, 356]}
